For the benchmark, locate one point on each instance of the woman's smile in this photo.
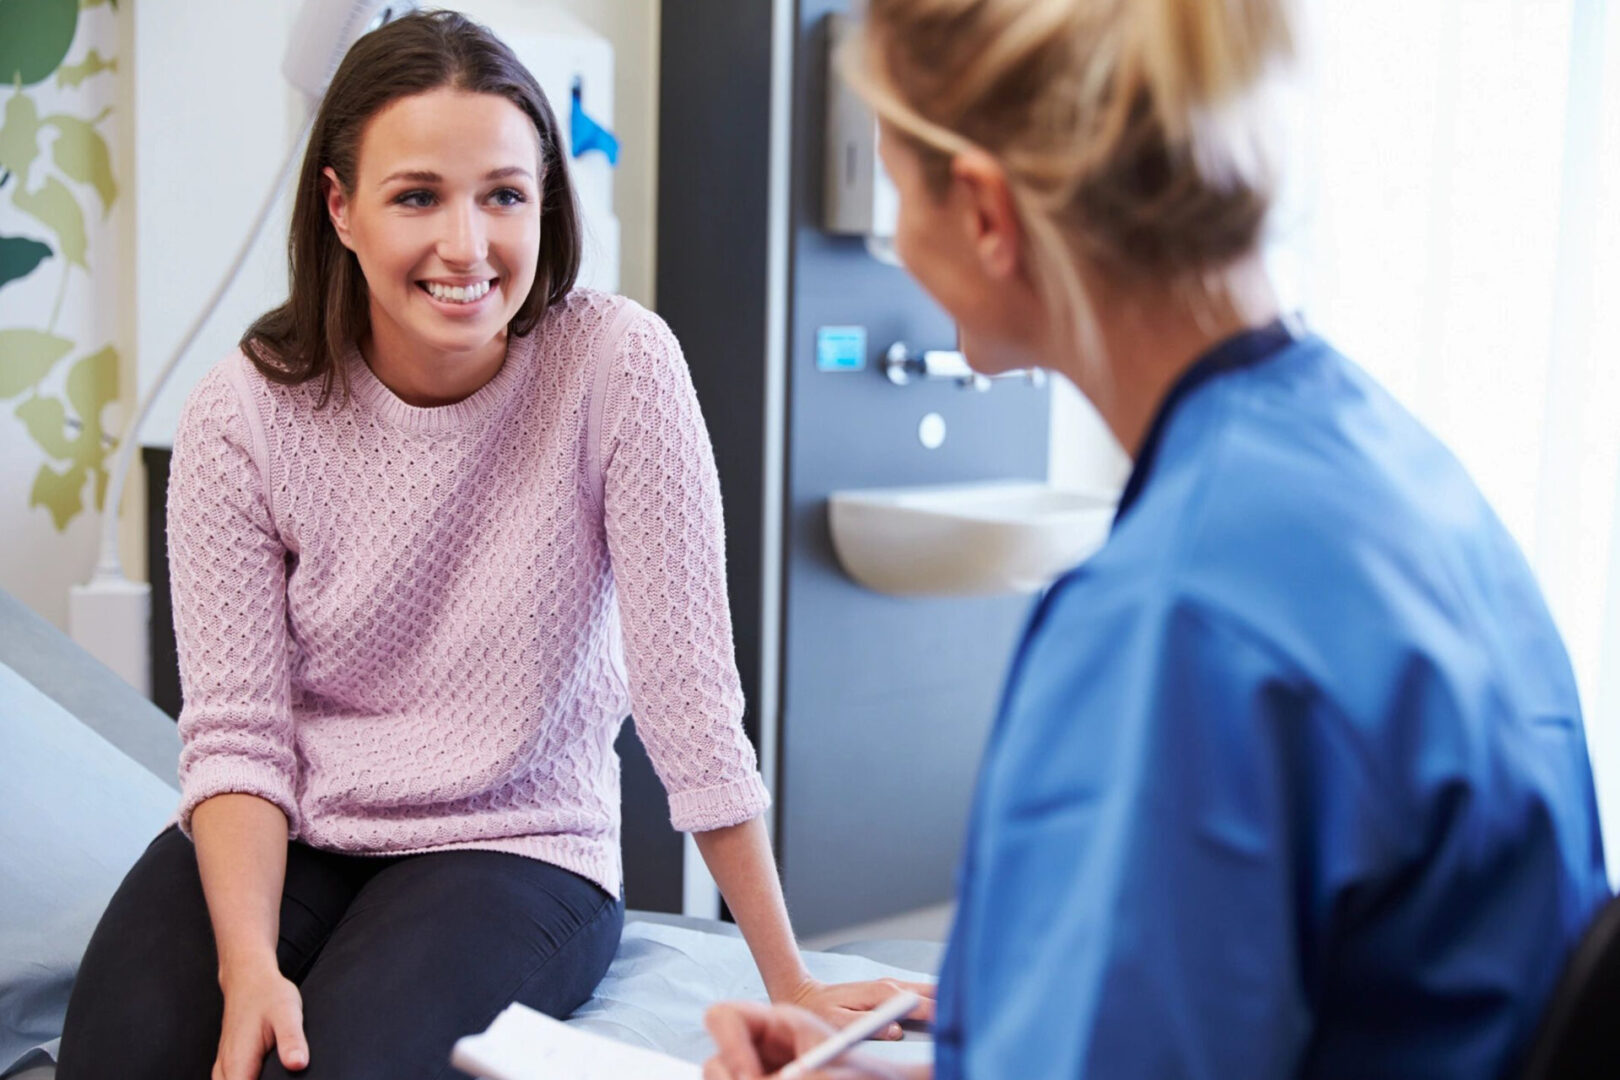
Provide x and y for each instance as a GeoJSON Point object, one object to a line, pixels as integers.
{"type": "Point", "coordinates": [461, 298]}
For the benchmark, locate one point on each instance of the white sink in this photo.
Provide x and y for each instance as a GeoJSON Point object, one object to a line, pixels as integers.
{"type": "Point", "coordinates": [963, 539]}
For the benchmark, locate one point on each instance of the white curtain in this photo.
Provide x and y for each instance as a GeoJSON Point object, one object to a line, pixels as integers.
{"type": "Point", "coordinates": [1453, 224]}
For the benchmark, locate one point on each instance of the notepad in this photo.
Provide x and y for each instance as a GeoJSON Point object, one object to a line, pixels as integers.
{"type": "Point", "coordinates": [523, 1044]}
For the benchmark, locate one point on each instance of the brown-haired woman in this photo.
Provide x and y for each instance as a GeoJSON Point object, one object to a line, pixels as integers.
{"type": "Point", "coordinates": [1289, 779]}
{"type": "Point", "coordinates": [441, 524]}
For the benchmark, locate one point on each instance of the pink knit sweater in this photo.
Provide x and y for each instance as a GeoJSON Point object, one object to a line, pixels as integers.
{"type": "Point", "coordinates": [420, 629]}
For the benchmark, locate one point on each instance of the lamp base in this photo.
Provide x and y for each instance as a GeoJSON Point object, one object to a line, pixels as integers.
{"type": "Point", "coordinates": [111, 619]}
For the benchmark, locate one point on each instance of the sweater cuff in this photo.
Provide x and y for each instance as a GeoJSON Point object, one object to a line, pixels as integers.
{"type": "Point", "coordinates": [718, 807]}
{"type": "Point", "coordinates": [236, 776]}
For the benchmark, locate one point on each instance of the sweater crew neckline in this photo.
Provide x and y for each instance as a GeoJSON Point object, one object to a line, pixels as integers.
{"type": "Point", "coordinates": [372, 393]}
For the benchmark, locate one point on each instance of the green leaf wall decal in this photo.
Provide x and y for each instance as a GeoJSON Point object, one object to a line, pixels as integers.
{"type": "Point", "coordinates": [92, 385]}
{"type": "Point", "coordinates": [54, 205]}
{"type": "Point", "coordinates": [34, 37]}
{"type": "Point", "coordinates": [46, 421]}
{"type": "Point", "coordinates": [25, 357]}
{"type": "Point", "coordinates": [81, 153]}
{"type": "Point", "coordinates": [19, 256]}
{"type": "Point", "coordinates": [19, 136]}
{"type": "Point", "coordinates": [75, 74]}
{"type": "Point", "coordinates": [62, 493]}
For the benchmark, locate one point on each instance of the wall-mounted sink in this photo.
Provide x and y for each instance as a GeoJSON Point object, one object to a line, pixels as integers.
{"type": "Point", "coordinates": [963, 539]}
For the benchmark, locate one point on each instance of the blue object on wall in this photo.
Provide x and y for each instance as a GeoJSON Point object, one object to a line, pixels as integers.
{"type": "Point", "coordinates": [841, 348]}
{"type": "Point", "coordinates": [588, 134]}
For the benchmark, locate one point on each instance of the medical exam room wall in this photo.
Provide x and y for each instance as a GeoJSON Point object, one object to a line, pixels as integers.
{"type": "Point", "coordinates": [65, 316]}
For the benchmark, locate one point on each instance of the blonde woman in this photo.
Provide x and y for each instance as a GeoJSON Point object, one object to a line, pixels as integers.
{"type": "Point", "coordinates": [1290, 779]}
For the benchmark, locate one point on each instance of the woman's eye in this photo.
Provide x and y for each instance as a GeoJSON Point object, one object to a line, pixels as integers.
{"type": "Point", "coordinates": [417, 199]}
{"type": "Point", "coordinates": [509, 197]}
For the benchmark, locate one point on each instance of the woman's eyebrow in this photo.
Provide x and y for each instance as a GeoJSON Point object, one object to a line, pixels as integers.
{"type": "Point", "coordinates": [420, 176]}
{"type": "Point", "coordinates": [417, 176]}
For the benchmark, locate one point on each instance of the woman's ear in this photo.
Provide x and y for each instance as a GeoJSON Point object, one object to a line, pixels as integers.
{"type": "Point", "coordinates": [987, 212]}
{"type": "Point", "coordinates": [337, 205]}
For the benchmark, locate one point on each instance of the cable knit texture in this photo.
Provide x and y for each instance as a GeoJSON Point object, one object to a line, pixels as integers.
{"type": "Point", "coordinates": [420, 629]}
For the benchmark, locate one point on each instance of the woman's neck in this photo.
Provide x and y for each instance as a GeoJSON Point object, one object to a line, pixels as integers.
{"type": "Point", "coordinates": [426, 377]}
{"type": "Point", "coordinates": [1149, 337]}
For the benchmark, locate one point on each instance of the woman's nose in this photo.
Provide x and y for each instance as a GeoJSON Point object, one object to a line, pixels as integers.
{"type": "Point", "coordinates": [463, 242]}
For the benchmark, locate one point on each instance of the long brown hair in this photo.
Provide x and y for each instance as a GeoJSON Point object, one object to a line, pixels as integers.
{"type": "Point", "coordinates": [327, 310]}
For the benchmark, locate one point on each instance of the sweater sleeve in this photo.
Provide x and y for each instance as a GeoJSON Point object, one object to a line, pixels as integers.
{"type": "Point", "coordinates": [228, 580]}
{"type": "Point", "coordinates": [665, 536]}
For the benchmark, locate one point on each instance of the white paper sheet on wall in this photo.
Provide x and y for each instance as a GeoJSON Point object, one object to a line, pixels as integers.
{"type": "Point", "coordinates": [523, 1044]}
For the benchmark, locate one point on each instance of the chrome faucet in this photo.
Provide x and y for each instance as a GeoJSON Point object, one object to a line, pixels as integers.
{"type": "Point", "coordinates": [902, 366]}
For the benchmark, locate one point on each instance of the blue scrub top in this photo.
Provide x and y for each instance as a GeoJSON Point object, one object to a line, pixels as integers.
{"type": "Point", "coordinates": [1289, 780]}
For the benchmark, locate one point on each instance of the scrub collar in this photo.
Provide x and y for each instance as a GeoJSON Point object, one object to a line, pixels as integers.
{"type": "Point", "coordinates": [1244, 349]}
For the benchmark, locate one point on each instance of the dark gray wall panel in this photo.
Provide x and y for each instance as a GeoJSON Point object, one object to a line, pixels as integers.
{"type": "Point", "coordinates": [713, 123]}
{"type": "Point", "coordinates": [886, 701]}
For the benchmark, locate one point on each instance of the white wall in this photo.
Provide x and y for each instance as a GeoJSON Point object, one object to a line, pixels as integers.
{"type": "Point", "coordinates": [213, 122]}
{"type": "Point", "coordinates": [1084, 455]}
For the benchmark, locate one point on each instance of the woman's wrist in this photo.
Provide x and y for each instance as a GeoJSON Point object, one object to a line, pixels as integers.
{"type": "Point", "coordinates": [789, 988]}
{"type": "Point", "coordinates": [245, 965]}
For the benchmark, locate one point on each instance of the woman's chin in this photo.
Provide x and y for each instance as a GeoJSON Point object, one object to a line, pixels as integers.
{"type": "Point", "coordinates": [461, 337]}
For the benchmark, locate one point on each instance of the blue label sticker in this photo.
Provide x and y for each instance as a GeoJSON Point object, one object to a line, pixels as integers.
{"type": "Point", "coordinates": [841, 348]}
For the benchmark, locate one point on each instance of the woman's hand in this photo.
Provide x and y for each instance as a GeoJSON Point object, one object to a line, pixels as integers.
{"type": "Point", "coordinates": [753, 1041]}
{"type": "Point", "coordinates": [839, 1004]}
{"type": "Point", "coordinates": [262, 1010]}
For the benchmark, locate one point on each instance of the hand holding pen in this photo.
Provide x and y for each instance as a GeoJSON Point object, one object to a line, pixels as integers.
{"type": "Point", "coordinates": [754, 1041]}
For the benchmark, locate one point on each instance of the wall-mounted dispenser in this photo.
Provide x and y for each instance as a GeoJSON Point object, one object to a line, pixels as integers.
{"type": "Point", "coordinates": [857, 196]}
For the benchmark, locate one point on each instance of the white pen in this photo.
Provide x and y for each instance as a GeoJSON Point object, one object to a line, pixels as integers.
{"type": "Point", "coordinates": [844, 1038]}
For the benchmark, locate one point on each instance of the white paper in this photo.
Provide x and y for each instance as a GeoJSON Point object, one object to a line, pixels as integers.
{"type": "Point", "coordinates": [523, 1044]}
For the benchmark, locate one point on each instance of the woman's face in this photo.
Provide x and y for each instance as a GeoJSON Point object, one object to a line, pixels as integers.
{"type": "Point", "coordinates": [963, 245]}
{"type": "Point", "coordinates": [444, 218]}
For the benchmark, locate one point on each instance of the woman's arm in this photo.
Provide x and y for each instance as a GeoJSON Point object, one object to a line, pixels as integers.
{"type": "Point", "coordinates": [739, 857]}
{"type": "Point", "coordinates": [237, 763]}
{"type": "Point", "coordinates": [665, 534]}
{"type": "Point", "coordinates": [228, 573]}
{"type": "Point", "coordinates": [242, 856]}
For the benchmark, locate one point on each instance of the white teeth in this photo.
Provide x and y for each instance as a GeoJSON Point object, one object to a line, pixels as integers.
{"type": "Point", "coordinates": [458, 294]}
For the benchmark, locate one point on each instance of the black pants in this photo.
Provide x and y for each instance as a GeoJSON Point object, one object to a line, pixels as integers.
{"type": "Point", "coordinates": [396, 958]}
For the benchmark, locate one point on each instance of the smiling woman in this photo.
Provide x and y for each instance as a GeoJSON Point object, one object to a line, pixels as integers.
{"type": "Point", "coordinates": [441, 524]}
